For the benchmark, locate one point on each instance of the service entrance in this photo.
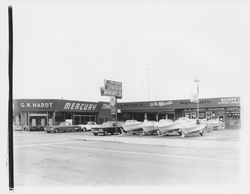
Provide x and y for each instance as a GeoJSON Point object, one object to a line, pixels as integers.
{"type": "Point", "coordinates": [38, 120]}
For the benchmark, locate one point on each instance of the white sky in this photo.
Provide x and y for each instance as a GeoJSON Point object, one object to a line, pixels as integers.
{"type": "Point", "coordinates": [67, 49]}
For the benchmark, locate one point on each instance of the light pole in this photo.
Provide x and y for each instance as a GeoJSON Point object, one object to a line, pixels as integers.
{"type": "Point", "coordinates": [196, 80]}
{"type": "Point", "coordinates": [148, 78]}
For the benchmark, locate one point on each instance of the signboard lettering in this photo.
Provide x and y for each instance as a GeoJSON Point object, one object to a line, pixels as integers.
{"type": "Point", "coordinates": [233, 100]}
{"type": "Point", "coordinates": [161, 103]}
{"type": "Point", "coordinates": [206, 101]}
{"type": "Point", "coordinates": [36, 105]}
{"type": "Point", "coordinates": [113, 105]}
{"type": "Point", "coordinates": [105, 106]}
{"type": "Point", "coordinates": [79, 106]}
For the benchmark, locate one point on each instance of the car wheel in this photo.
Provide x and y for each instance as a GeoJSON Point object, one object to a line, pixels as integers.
{"type": "Point", "coordinates": [48, 131]}
{"type": "Point", "coordinates": [112, 133]}
{"type": "Point", "coordinates": [95, 133]}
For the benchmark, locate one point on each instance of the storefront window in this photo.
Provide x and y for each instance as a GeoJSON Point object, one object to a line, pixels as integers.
{"type": "Point", "coordinates": [193, 115]}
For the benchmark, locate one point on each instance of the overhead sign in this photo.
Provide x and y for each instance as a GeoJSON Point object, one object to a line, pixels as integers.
{"type": "Point", "coordinates": [114, 83]}
{"type": "Point", "coordinates": [54, 105]}
{"type": "Point", "coordinates": [112, 88]}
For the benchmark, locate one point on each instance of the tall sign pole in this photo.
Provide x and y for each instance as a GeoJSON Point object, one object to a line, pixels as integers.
{"type": "Point", "coordinates": [115, 115]}
{"type": "Point", "coordinates": [148, 80]}
{"type": "Point", "coordinates": [113, 89]}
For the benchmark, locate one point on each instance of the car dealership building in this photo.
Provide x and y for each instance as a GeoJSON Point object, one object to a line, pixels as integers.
{"type": "Point", "coordinates": [42, 112]}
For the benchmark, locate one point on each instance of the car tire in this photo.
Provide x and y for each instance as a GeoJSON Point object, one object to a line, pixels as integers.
{"type": "Point", "coordinates": [95, 133]}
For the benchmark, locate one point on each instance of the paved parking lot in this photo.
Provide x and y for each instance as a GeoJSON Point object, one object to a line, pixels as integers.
{"type": "Point", "coordinates": [77, 159]}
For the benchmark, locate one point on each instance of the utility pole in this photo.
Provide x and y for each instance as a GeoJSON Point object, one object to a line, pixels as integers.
{"type": "Point", "coordinates": [148, 78]}
{"type": "Point", "coordinates": [196, 80]}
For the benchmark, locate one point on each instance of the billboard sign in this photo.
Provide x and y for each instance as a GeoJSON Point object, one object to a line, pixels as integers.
{"type": "Point", "coordinates": [112, 88]}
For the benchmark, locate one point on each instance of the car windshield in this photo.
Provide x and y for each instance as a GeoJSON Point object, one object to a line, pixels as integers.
{"type": "Point", "coordinates": [62, 124]}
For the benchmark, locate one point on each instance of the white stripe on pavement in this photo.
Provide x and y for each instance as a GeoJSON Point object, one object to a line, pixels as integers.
{"type": "Point", "coordinates": [43, 144]}
{"type": "Point", "coordinates": [148, 154]}
{"type": "Point", "coordinates": [58, 140]}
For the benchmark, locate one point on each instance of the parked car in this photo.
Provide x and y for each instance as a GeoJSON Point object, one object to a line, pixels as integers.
{"type": "Point", "coordinates": [88, 126]}
{"type": "Point", "coordinates": [62, 127]}
{"type": "Point", "coordinates": [17, 127]}
{"type": "Point", "coordinates": [33, 128]}
{"type": "Point", "coordinates": [108, 127]}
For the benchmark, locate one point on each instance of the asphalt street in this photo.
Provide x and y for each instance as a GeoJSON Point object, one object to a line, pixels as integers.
{"type": "Point", "coordinates": [79, 159]}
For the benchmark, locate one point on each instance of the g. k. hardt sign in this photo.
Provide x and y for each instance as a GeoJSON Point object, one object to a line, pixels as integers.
{"type": "Point", "coordinates": [36, 105]}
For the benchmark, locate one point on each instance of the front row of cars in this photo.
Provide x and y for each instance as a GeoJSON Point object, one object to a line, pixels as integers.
{"type": "Point", "coordinates": [68, 127]}
{"type": "Point", "coordinates": [105, 128]}
{"type": "Point", "coordinates": [182, 125]}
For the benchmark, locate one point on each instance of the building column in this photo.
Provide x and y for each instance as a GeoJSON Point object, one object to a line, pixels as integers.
{"type": "Point", "coordinates": [166, 116]}
{"type": "Point", "coordinates": [145, 116]}
{"type": "Point", "coordinates": [157, 116]}
{"type": "Point", "coordinates": [54, 118]}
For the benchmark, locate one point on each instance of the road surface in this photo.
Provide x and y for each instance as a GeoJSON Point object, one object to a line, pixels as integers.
{"type": "Point", "coordinates": [81, 159]}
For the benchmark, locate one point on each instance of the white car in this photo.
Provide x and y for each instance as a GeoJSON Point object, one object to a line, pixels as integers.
{"type": "Point", "coordinates": [88, 126]}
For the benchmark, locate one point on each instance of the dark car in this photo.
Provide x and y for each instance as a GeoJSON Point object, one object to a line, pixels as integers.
{"type": "Point", "coordinates": [33, 128]}
{"type": "Point", "coordinates": [62, 127]}
{"type": "Point", "coordinates": [108, 127]}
